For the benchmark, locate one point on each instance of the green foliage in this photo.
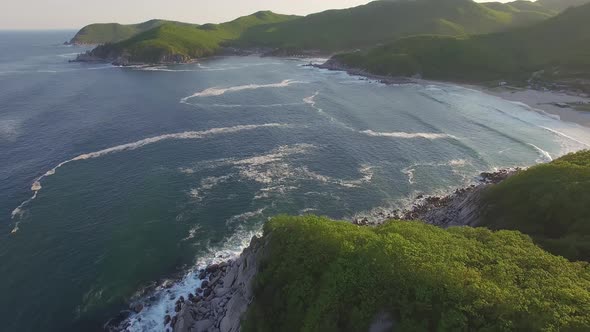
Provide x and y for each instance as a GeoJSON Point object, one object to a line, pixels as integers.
{"type": "Point", "coordinates": [323, 275]}
{"type": "Point", "coordinates": [188, 41]}
{"type": "Point", "coordinates": [334, 30]}
{"type": "Point", "coordinates": [560, 5]}
{"type": "Point", "coordinates": [384, 21]}
{"type": "Point", "coordinates": [549, 202]}
{"type": "Point", "coordinates": [560, 46]}
{"type": "Point", "coordinates": [102, 33]}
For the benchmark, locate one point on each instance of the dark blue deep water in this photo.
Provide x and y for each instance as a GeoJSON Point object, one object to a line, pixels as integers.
{"type": "Point", "coordinates": [113, 179]}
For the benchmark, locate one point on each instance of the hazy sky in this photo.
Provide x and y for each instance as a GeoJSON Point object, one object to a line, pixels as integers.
{"type": "Point", "coordinates": [74, 14]}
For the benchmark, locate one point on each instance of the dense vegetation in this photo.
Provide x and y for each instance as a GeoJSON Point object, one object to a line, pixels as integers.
{"type": "Point", "coordinates": [333, 30]}
{"type": "Point", "coordinates": [101, 33]}
{"type": "Point", "coordinates": [322, 275]}
{"type": "Point", "coordinates": [549, 202]}
{"type": "Point", "coordinates": [185, 41]}
{"type": "Point", "coordinates": [560, 5]}
{"type": "Point", "coordinates": [557, 48]}
{"type": "Point", "coordinates": [384, 21]}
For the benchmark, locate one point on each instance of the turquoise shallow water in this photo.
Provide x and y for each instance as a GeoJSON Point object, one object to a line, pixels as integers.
{"type": "Point", "coordinates": [114, 179]}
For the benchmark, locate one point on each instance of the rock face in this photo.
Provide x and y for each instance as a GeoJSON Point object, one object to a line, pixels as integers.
{"type": "Point", "coordinates": [464, 207]}
{"type": "Point", "coordinates": [336, 65]}
{"type": "Point", "coordinates": [225, 295]}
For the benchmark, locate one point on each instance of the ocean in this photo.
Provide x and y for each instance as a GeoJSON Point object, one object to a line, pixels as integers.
{"type": "Point", "coordinates": [114, 180]}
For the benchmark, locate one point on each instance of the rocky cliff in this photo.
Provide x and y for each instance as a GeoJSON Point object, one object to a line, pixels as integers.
{"type": "Point", "coordinates": [223, 297]}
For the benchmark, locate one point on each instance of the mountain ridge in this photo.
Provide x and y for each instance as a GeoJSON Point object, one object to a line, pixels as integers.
{"type": "Point", "coordinates": [327, 32]}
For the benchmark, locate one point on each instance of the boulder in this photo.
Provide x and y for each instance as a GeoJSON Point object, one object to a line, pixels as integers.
{"type": "Point", "coordinates": [185, 321]}
{"type": "Point", "coordinates": [202, 326]}
{"type": "Point", "coordinates": [212, 268]}
{"type": "Point", "coordinates": [138, 308]}
{"type": "Point", "coordinates": [220, 292]}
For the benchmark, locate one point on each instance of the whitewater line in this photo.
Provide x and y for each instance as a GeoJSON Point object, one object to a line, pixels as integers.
{"type": "Point", "coordinates": [432, 136]}
{"type": "Point", "coordinates": [246, 106]}
{"type": "Point", "coordinates": [558, 133]}
{"type": "Point", "coordinates": [216, 91]}
{"type": "Point", "coordinates": [543, 153]}
{"type": "Point", "coordinates": [401, 134]}
{"type": "Point", "coordinates": [36, 186]}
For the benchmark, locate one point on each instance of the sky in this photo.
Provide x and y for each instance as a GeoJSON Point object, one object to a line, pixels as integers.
{"type": "Point", "coordinates": [74, 14]}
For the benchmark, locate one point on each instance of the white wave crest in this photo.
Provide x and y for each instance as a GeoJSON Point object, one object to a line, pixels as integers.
{"type": "Point", "coordinates": [150, 318]}
{"type": "Point", "coordinates": [545, 156]}
{"type": "Point", "coordinates": [248, 106]}
{"type": "Point", "coordinates": [409, 172]}
{"type": "Point", "coordinates": [559, 133]}
{"type": "Point", "coordinates": [455, 164]}
{"type": "Point", "coordinates": [208, 183]}
{"type": "Point", "coordinates": [401, 134]}
{"type": "Point", "coordinates": [245, 216]}
{"type": "Point", "coordinates": [216, 91]}
{"type": "Point", "coordinates": [36, 187]}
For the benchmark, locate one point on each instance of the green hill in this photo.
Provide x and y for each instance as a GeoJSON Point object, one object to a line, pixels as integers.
{"type": "Point", "coordinates": [561, 5]}
{"type": "Point", "coordinates": [560, 46]}
{"type": "Point", "coordinates": [329, 31]}
{"type": "Point", "coordinates": [549, 202]}
{"type": "Point", "coordinates": [322, 275]}
{"type": "Point", "coordinates": [384, 21]}
{"type": "Point", "coordinates": [101, 33]}
{"type": "Point", "coordinates": [171, 42]}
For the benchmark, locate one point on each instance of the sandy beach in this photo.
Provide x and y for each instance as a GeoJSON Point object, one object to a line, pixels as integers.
{"type": "Point", "coordinates": [567, 106]}
{"type": "Point", "coordinates": [561, 104]}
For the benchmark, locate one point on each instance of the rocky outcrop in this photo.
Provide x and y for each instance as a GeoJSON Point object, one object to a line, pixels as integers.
{"type": "Point", "coordinates": [109, 53]}
{"type": "Point", "coordinates": [464, 207]}
{"type": "Point", "coordinates": [334, 64]}
{"type": "Point", "coordinates": [223, 298]}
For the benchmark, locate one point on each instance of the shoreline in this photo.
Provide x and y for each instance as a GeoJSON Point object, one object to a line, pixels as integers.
{"type": "Point", "coordinates": [224, 288]}
{"type": "Point", "coordinates": [224, 293]}
{"type": "Point", "coordinates": [559, 104]}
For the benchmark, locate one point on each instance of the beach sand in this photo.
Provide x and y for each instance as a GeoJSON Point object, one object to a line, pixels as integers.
{"type": "Point", "coordinates": [561, 104]}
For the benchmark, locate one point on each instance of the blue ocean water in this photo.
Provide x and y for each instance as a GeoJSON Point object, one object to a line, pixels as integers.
{"type": "Point", "coordinates": [114, 179]}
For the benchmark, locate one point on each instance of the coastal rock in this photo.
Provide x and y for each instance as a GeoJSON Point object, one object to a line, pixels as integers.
{"type": "Point", "coordinates": [225, 297]}
{"type": "Point", "coordinates": [138, 307]}
{"type": "Point", "coordinates": [212, 268]}
{"type": "Point", "coordinates": [464, 207]}
{"type": "Point", "coordinates": [185, 320]}
{"type": "Point", "coordinates": [202, 326]}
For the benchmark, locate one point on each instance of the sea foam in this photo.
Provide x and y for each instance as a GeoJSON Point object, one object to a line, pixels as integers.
{"type": "Point", "coordinates": [401, 134]}
{"type": "Point", "coordinates": [217, 91]}
{"type": "Point", "coordinates": [36, 186]}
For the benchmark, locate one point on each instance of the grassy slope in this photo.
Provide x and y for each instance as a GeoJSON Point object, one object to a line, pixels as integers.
{"type": "Point", "coordinates": [363, 26]}
{"type": "Point", "coordinates": [186, 40]}
{"type": "Point", "coordinates": [101, 33]}
{"type": "Point", "coordinates": [560, 42]}
{"type": "Point", "coordinates": [383, 21]}
{"type": "Point", "coordinates": [322, 275]}
{"type": "Point", "coordinates": [549, 202]}
{"type": "Point", "coordinates": [561, 5]}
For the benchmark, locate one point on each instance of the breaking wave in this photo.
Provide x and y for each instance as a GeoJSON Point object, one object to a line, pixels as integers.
{"type": "Point", "coordinates": [545, 156]}
{"type": "Point", "coordinates": [216, 91]}
{"type": "Point", "coordinates": [401, 134]}
{"type": "Point", "coordinates": [36, 187]}
{"type": "Point", "coordinates": [164, 298]}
